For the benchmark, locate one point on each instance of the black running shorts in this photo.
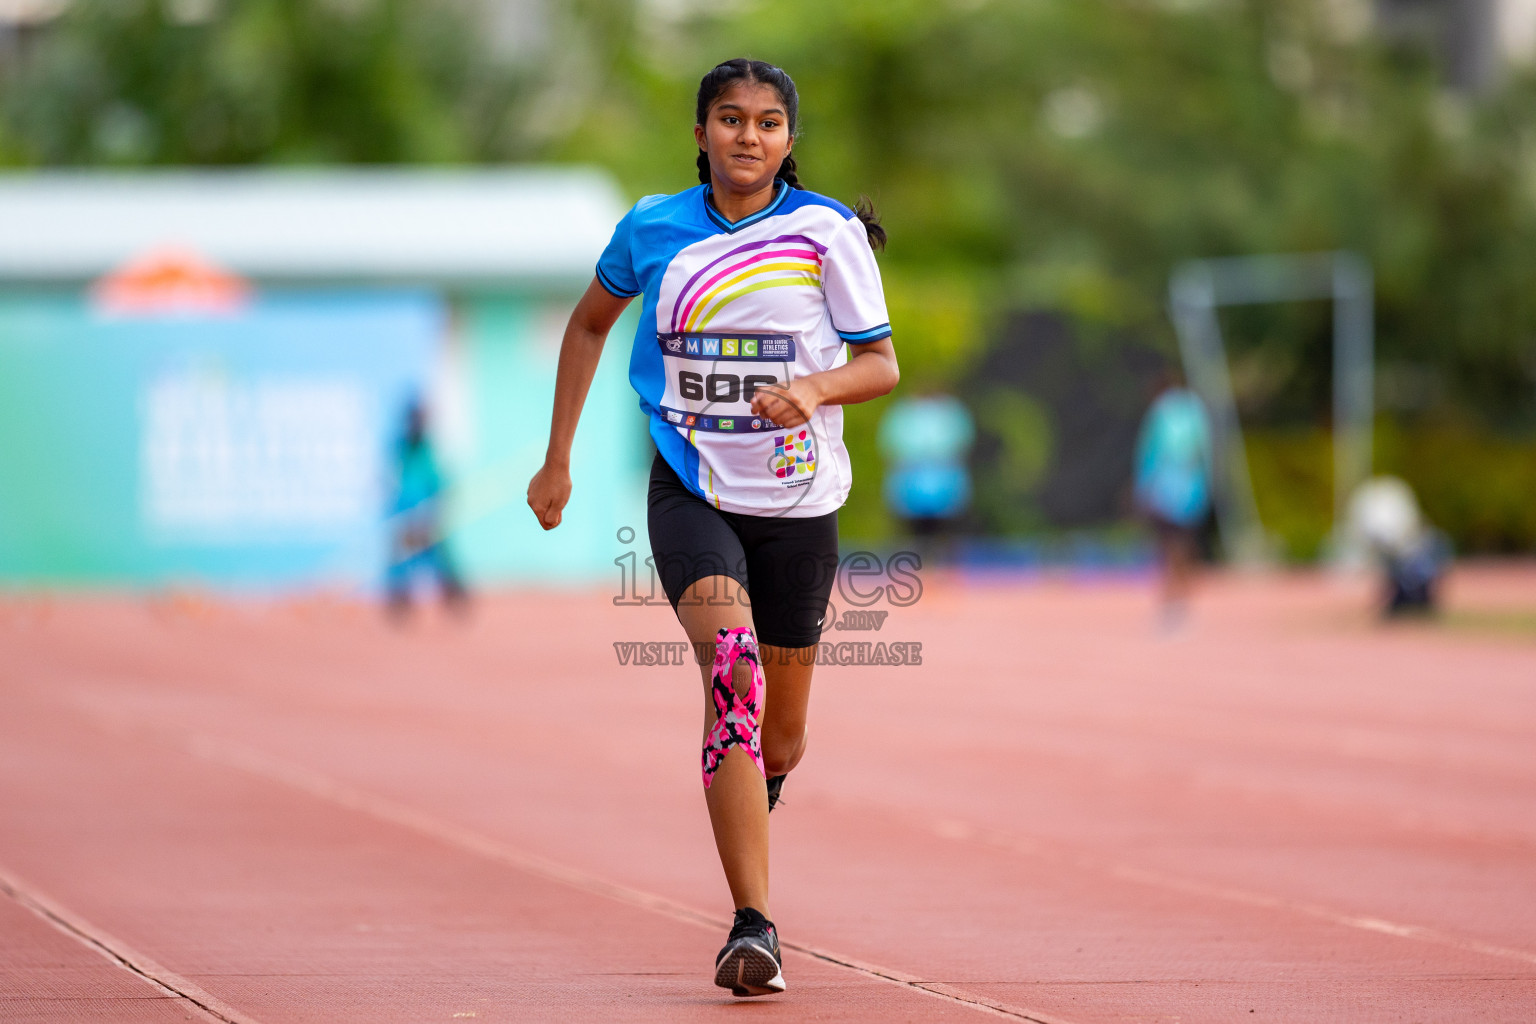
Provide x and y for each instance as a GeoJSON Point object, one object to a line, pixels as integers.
{"type": "Point", "coordinates": [787, 566]}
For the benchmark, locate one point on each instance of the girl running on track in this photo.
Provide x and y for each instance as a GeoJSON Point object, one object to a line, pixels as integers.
{"type": "Point", "coordinates": [762, 316]}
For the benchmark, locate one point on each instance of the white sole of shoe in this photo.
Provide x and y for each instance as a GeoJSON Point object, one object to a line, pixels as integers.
{"type": "Point", "coordinates": [749, 970]}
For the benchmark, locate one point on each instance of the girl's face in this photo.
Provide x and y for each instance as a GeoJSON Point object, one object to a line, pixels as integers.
{"type": "Point", "coordinates": [746, 135]}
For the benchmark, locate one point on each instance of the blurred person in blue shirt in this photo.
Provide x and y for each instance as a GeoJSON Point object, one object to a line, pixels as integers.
{"type": "Point", "coordinates": [415, 519]}
{"type": "Point", "coordinates": [1173, 485]}
{"type": "Point", "coordinates": [925, 441]}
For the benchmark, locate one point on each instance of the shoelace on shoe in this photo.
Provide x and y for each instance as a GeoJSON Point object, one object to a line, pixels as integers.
{"type": "Point", "coordinates": [748, 921]}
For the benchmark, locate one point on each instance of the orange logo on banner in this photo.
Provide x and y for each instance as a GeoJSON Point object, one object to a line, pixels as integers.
{"type": "Point", "coordinates": [169, 281]}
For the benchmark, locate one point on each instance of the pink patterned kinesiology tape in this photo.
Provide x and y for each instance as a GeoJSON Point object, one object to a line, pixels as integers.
{"type": "Point", "coordinates": [740, 722]}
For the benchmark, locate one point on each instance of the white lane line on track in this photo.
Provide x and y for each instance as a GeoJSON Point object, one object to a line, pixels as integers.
{"type": "Point", "coordinates": [323, 787]}
{"type": "Point", "coordinates": [963, 832]}
{"type": "Point", "coordinates": [120, 954]}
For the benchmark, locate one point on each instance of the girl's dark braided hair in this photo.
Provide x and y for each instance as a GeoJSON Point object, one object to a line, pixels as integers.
{"type": "Point", "coordinates": [723, 76]}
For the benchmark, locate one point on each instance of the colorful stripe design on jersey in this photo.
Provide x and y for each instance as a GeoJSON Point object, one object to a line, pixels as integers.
{"type": "Point", "coordinates": [785, 261]}
{"type": "Point", "coordinates": [793, 453]}
{"type": "Point", "coordinates": [739, 722]}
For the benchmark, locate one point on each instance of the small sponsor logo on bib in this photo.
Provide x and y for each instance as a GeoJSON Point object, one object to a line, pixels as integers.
{"type": "Point", "coordinates": [773, 347]}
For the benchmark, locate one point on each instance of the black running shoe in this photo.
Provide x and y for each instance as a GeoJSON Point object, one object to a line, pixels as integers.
{"type": "Point", "coordinates": [750, 964]}
{"type": "Point", "coordinates": [775, 787]}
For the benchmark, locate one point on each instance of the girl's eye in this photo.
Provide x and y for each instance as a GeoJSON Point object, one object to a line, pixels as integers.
{"type": "Point", "coordinates": [770, 125]}
{"type": "Point", "coordinates": [728, 119]}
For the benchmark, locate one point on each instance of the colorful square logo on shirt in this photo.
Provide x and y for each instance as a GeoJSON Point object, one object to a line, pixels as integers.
{"type": "Point", "coordinates": [727, 424]}
{"type": "Point", "coordinates": [693, 346]}
{"type": "Point", "coordinates": [728, 346]}
{"type": "Point", "coordinates": [793, 442]}
{"type": "Point", "coordinates": [793, 455]}
{"type": "Point", "coordinates": [690, 421]}
{"type": "Point", "coordinates": [707, 423]}
{"type": "Point", "coordinates": [711, 346]}
{"type": "Point", "coordinates": [749, 347]}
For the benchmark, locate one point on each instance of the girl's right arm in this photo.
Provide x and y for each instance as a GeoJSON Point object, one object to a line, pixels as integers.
{"type": "Point", "coordinates": [594, 315]}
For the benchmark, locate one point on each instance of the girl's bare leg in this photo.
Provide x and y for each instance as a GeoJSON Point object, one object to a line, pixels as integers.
{"type": "Point", "coordinates": [789, 680]}
{"type": "Point", "coordinates": [737, 797]}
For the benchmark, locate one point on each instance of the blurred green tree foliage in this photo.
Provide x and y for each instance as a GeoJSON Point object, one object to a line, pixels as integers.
{"type": "Point", "coordinates": [1026, 154]}
{"type": "Point", "coordinates": [1066, 154]}
{"type": "Point", "coordinates": [212, 82]}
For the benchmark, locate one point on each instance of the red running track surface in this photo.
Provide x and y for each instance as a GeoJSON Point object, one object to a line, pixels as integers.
{"type": "Point", "coordinates": [292, 812]}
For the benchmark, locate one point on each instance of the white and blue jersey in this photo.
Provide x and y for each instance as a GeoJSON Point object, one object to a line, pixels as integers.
{"type": "Point", "coordinates": [729, 308]}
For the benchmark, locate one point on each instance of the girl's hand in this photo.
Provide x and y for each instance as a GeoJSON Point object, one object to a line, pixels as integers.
{"type": "Point", "coordinates": [548, 492]}
{"type": "Point", "coordinates": [788, 405]}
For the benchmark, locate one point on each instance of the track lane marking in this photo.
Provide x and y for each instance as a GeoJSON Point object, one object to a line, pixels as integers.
{"type": "Point", "coordinates": [259, 763]}
{"type": "Point", "coordinates": [119, 953]}
{"type": "Point", "coordinates": [964, 832]}
{"type": "Point", "coordinates": [262, 765]}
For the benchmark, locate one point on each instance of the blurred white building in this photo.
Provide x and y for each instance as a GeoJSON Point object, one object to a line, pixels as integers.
{"type": "Point", "coordinates": [1477, 39]}
{"type": "Point", "coordinates": [250, 441]}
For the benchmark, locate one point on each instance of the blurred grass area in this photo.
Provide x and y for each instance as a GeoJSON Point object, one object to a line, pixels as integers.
{"type": "Point", "coordinates": [1292, 472]}
{"type": "Point", "coordinates": [1506, 622]}
{"type": "Point", "coordinates": [1477, 486]}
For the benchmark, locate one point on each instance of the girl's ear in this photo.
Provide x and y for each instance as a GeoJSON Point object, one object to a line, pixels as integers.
{"type": "Point", "coordinates": [698, 136]}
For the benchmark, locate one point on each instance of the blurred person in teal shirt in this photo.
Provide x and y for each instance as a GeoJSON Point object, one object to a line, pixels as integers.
{"type": "Point", "coordinates": [1173, 485]}
{"type": "Point", "coordinates": [925, 441]}
{"type": "Point", "coordinates": [415, 520]}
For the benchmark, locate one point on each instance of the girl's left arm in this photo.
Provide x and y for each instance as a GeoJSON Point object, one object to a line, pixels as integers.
{"type": "Point", "coordinates": [869, 373]}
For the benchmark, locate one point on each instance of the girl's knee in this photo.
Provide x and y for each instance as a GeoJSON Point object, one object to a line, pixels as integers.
{"type": "Point", "coordinates": [781, 753]}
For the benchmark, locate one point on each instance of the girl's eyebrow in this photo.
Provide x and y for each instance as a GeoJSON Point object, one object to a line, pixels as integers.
{"type": "Point", "coordinates": [733, 106]}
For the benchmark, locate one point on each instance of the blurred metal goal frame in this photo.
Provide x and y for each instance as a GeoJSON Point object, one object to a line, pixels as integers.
{"type": "Point", "coordinates": [1197, 291]}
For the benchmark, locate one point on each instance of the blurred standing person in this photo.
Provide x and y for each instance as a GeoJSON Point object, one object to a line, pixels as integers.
{"type": "Point", "coordinates": [1173, 485]}
{"type": "Point", "coordinates": [925, 441]}
{"type": "Point", "coordinates": [415, 521]}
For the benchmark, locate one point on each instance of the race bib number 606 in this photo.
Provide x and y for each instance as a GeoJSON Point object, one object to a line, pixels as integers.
{"type": "Point", "coordinates": [712, 378]}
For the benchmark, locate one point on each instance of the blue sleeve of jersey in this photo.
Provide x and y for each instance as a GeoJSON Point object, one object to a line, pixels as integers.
{"type": "Point", "coordinates": [616, 267]}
